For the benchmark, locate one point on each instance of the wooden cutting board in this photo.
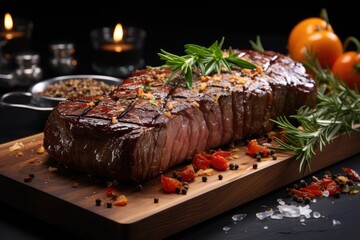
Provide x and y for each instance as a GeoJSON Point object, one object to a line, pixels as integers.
{"type": "Point", "coordinates": [67, 199]}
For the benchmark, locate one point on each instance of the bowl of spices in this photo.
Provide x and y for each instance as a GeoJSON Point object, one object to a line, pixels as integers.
{"type": "Point", "coordinates": [47, 94]}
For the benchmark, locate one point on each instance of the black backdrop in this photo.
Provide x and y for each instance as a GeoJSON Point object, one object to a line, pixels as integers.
{"type": "Point", "coordinates": [171, 24]}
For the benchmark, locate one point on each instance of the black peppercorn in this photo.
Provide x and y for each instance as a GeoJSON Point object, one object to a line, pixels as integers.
{"type": "Point", "coordinates": [138, 188]}
{"type": "Point", "coordinates": [337, 194]}
{"type": "Point", "coordinates": [109, 205]}
{"type": "Point", "coordinates": [204, 178]}
{"type": "Point", "coordinates": [97, 202]}
{"type": "Point", "coordinates": [350, 183]}
{"type": "Point", "coordinates": [255, 166]}
{"type": "Point", "coordinates": [303, 183]}
{"type": "Point", "coordinates": [220, 177]}
{"type": "Point", "coordinates": [274, 157]}
{"type": "Point", "coordinates": [183, 191]}
{"type": "Point", "coordinates": [258, 158]}
{"type": "Point", "coordinates": [236, 166]}
{"type": "Point", "coordinates": [156, 200]}
{"type": "Point", "coordinates": [31, 175]}
{"type": "Point", "coordinates": [231, 166]}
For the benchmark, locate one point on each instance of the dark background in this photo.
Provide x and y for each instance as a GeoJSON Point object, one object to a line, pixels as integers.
{"type": "Point", "coordinates": [171, 24]}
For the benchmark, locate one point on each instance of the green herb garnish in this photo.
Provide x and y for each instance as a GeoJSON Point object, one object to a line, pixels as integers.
{"type": "Point", "coordinates": [207, 61]}
{"type": "Point", "coordinates": [257, 45]}
{"type": "Point", "coordinates": [337, 111]}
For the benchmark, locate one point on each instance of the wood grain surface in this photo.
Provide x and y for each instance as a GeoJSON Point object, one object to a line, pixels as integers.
{"type": "Point", "coordinates": [67, 198]}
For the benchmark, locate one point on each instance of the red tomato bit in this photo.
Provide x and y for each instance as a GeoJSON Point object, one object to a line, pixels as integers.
{"type": "Point", "coordinates": [352, 174]}
{"type": "Point", "coordinates": [253, 149]}
{"type": "Point", "coordinates": [169, 185]}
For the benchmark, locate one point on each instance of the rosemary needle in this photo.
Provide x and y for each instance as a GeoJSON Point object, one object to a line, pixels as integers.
{"type": "Point", "coordinates": [201, 59]}
{"type": "Point", "coordinates": [337, 111]}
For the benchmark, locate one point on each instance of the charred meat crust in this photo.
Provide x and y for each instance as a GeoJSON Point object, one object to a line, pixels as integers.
{"type": "Point", "coordinates": [144, 126]}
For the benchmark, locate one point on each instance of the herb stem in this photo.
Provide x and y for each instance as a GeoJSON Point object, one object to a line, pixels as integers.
{"type": "Point", "coordinates": [206, 60]}
{"type": "Point", "coordinates": [337, 111]}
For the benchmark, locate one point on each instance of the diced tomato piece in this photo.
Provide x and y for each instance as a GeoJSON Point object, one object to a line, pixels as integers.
{"type": "Point", "coordinates": [121, 200]}
{"type": "Point", "coordinates": [302, 193]}
{"type": "Point", "coordinates": [110, 191]}
{"type": "Point", "coordinates": [169, 185]}
{"type": "Point", "coordinates": [222, 153]}
{"type": "Point", "coordinates": [314, 186]}
{"type": "Point", "coordinates": [333, 188]}
{"type": "Point", "coordinates": [219, 162]}
{"type": "Point", "coordinates": [316, 192]}
{"type": "Point", "coordinates": [187, 173]}
{"type": "Point", "coordinates": [352, 174]}
{"type": "Point", "coordinates": [205, 154]}
{"type": "Point", "coordinates": [315, 179]}
{"type": "Point", "coordinates": [200, 162]}
{"type": "Point", "coordinates": [253, 148]}
{"type": "Point", "coordinates": [324, 183]}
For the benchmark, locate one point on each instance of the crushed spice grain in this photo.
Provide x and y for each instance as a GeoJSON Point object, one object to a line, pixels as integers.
{"type": "Point", "coordinates": [87, 87]}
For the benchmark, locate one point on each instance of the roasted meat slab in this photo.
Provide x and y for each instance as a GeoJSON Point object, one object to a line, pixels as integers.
{"type": "Point", "coordinates": [146, 126]}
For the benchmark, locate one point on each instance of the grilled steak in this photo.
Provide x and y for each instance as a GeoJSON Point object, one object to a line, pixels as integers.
{"type": "Point", "coordinates": [145, 126]}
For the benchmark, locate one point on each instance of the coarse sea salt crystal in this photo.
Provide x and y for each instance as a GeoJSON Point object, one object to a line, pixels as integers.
{"type": "Point", "coordinates": [336, 222]}
{"type": "Point", "coordinates": [262, 215]}
{"type": "Point", "coordinates": [326, 193]}
{"type": "Point", "coordinates": [305, 211]}
{"type": "Point", "coordinates": [316, 215]}
{"type": "Point", "coordinates": [226, 229]}
{"type": "Point", "coordinates": [238, 217]}
{"type": "Point", "coordinates": [277, 216]}
{"type": "Point", "coordinates": [289, 211]}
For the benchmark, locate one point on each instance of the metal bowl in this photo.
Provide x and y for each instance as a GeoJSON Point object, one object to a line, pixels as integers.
{"type": "Point", "coordinates": [45, 103]}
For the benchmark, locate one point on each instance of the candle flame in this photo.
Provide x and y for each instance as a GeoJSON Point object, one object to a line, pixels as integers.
{"type": "Point", "coordinates": [8, 21]}
{"type": "Point", "coordinates": [118, 33]}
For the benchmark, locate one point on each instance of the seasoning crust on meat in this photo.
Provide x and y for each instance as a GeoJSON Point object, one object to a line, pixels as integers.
{"type": "Point", "coordinates": [146, 126]}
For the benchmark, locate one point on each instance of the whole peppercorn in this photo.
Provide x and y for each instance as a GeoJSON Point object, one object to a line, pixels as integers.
{"type": "Point", "coordinates": [97, 202]}
{"type": "Point", "coordinates": [303, 183]}
{"type": "Point", "coordinates": [138, 188]}
{"type": "Point", "coordinates": [231, 166]}
{"type": "Point", "coordinates": [204, 178]}
{"type": "Point", "coordinates": [307, 200]}
{"type": "Point", "coordinates": [156, 200]}
{"type": "Point", "coordinates": [220, 177]}
{"type": "Point", "coordinates": [255, 166]}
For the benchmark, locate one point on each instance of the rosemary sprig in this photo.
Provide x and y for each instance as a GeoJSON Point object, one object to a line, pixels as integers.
{"type": "Point", "coordinates": [337, 110]}
{"type": "Point", "coordinates": [201, 59]}
{"type": "Point", "coordinates": [257, 45]}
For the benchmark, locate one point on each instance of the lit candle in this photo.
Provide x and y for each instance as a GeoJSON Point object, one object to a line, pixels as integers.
{"type": "Point", "coordinates": [117, 51]}
{"type": "Point", "coordinates": [9, 33]}
{"type": "Point", "coordinates": [17, 34]}
{"type": "Point", "coordinates": [117, 45]}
